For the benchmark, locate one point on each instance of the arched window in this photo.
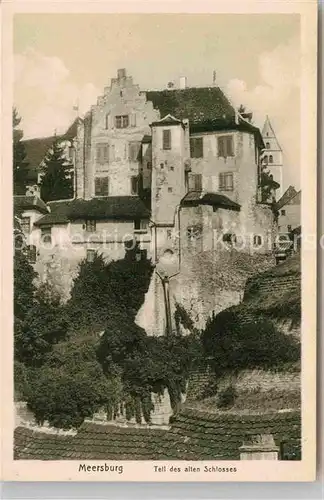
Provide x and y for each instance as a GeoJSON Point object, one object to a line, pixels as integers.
{"type": "Point", "coordinates": [265, 159]}
{"type": "Point", "coordinates": [270, 159]}
{"type": "Point", "coordinates": [268, 145]}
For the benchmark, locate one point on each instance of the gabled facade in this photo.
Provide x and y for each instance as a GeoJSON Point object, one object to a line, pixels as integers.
{"type": "Point", "coordinates": [289, 210]}
{"type": "Point", "coordinates": [175, 171]}
{"type": "Point", "coordinates": [272, 156]}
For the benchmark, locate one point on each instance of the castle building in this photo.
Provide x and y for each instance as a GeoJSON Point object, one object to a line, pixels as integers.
{"type": "Point", "coordinates": [176, 171]}
{"type": "Point", "coordinates": [272, 156]}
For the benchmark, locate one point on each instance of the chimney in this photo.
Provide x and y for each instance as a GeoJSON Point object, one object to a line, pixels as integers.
{"type": "Point", "coordinates": [121, 73]}
{"type": "Point", "coordinates": [183, 82]}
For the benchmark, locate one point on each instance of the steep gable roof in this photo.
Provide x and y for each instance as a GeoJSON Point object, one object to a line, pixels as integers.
{"type": "Point", "coordinates": [269, 133]}
{"type": "Point", "coordinates": [206, 108]}
{"type": "Point", "coordinates": [288, 195]}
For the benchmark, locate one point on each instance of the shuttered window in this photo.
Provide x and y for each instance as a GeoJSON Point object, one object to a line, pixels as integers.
{"type": "Point", "coordinates": [102, 153]}
{"type": "Point", "coordinates": [134, 149]}
{"type": "Point", "coordinates": [226, 181]}
{"type": "Point", "coordinates": [225, 146]}
{"type": "Point", "coordinates": [101, 186]}
{"type": "Point", "coordinates": [196, 147]}
{"type": "Point", "coordinates": [166, 139]}
{"type": "Point", "coordinates": [195, 182]}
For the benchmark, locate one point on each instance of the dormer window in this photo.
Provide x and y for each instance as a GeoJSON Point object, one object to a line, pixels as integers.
{"type": "Point", "coordinates": [166, 137]}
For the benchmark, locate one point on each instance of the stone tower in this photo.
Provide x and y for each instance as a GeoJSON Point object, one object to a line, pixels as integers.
{"type": "Point", "coordinates": [272, 156]}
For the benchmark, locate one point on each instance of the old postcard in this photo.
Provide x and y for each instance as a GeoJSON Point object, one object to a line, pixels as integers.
{"type": "Point", "coordinates": [159, 241]}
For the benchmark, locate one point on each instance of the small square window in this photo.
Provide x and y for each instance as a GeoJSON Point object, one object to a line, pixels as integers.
{"type": "Point", "coordinates": [90, 255]}
{"type": "Point", "coordinates": [25, 225]}
{"type": "Point", "coordinates": [169, 189]}
{"type": "Point", "coordinates": [90, 226]}
{"type": "Point", "coordinates": [283, 212]}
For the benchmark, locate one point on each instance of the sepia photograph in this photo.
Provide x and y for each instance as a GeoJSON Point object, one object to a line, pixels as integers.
{"type": "Point", "coordinates": [158, 235]}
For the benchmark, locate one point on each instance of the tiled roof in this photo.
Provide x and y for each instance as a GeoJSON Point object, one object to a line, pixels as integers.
{"type": "Point", "coordinates": [288, 195]}
{"type": "Point", "coordinates": [214, 199]}
{"type": "Point", "coordinates": [111, 207]}
{"type": "Point", "coordinates": [24, 202]}
{"type": "Point", "coordinates": [206, 108]}
{"type": "Point", "coordinates": [194, 435]}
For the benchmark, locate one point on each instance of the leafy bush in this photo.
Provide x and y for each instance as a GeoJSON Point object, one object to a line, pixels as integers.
{"type": "Point", "coordinates": [44, 325]}
{"type": "Point", "coordinates": [71, 386]}
{"type": "Point", "coordinates": [226, 397]}
{"type": "Point", "coordinates": [234, 344]}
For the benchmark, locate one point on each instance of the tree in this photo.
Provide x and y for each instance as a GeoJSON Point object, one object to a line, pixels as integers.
{"type": "Point", "coordinates": [56, 183]}
{"type": "Point", "coordinates": [20, 166]}
{"type": "Point", "coordinates": [71, 386]}
{"type": "Point", "coordinates": [234, 344]}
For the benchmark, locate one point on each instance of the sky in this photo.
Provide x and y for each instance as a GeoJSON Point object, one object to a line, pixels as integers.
{"type": "Point", "coordinates": [64, 59]}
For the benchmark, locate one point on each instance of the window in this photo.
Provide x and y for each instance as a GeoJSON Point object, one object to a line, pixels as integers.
{"type": "Point", "coordinates": [225, 146]}
{"type": "Point", "coordinates": [226, 181]}
{"type": "Point", "coordinates": [265, 159]}
{"type": "Point", "coordinates": [195, 182]}
{"type": "Point", "coordinates": [46, 235]}
{"type": "Point", "coordinates": [134, 184]}
{"type": "Point", "coordinates": [229, 238]}
{"type": "Point", "coordinates": [101, 186]}
{"type": "Point", "coordinates": [196, 147]}
{"type": "Point", "coordinates": [90, 255]}
{"type": "Point", "coordinates": [194, 232]}
{"type": "Point", "coordinates": [268, 145]}
{"type": "Point", "coordinates": [25, 224]}
{"type": "Point", "coordinates": [149, 165]}
{"type": "Point", "coordinates": [31, 254]}
{"type": "Point", "coordinates": [270, 159]}
{"type": "Point", "coordinates": [107, 121]}
{"type": "Point", "coordinates": [169, 189]}
{"type": "Point", "coordinates": [257, 240]}
{"type": "Point", "coordinates": [140, 225]}
{"type": "Point", "coordinates": [171, 168]}
{"type": "Point", "coordinates": [283, 212]}
{"type": "Point", "coordinates": [122, 121]}
{"type": "Point", "coordinates": [169, 234]}
{"type": "Point", "coordinates": [289, 228]}
{"type": "Point", "coordinates": [90, 225]}
{"type": "Point", "coordinates": [166, 139]}
{"type": "Point", "coordinates": [102, 153]}
{"type": "Point", "coordinates": [134, 149]}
